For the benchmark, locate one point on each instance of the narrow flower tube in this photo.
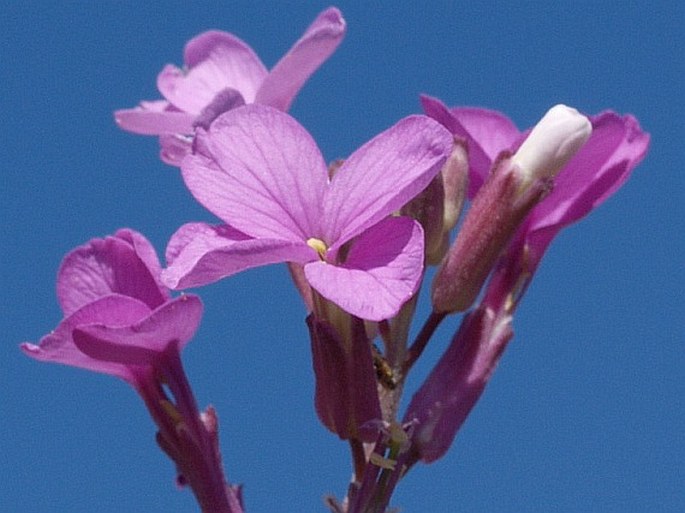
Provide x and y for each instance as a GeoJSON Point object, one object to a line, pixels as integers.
{"type": "Point", "coordinates": [453, 387]}
{"type": "Point", "coordinates": [346, 399]}
{"type": "Point", "coordinates": [494, 216]}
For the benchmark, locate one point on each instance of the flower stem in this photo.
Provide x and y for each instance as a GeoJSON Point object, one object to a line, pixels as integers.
{"type": "Point", "coordinates": [429, 327]}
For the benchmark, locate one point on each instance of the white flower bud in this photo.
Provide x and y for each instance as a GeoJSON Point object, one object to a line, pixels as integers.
{"type": "Point", "coordinates": [552, 143]}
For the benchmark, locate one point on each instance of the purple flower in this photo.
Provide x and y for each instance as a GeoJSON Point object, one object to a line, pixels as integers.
{"type": "Point", "coordinates": [260, 172]}
{"type": "Point", "coordinates": [222, 72]}
{"type": "Point", "coordinates": [120, 320]}
{"type": "Point", "coordinates": [603, 164]}
{"type": "Point", "coordinates": [617, 145]}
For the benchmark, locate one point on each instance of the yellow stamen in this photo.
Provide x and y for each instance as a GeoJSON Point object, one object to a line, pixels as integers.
{"type": "Point", "coordinates": [319, 246]}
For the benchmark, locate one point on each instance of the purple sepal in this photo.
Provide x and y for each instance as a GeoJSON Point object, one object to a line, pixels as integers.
{"type": "Point", "coordinates": [346, 395]}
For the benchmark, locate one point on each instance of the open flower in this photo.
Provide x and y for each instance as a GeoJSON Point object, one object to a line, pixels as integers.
{"type": "Point", "coordinates": [222, 72]}
{"type": "Point", "coordinates": [262, 174]}
{"type": "Point", "coordinates": [120, 320]}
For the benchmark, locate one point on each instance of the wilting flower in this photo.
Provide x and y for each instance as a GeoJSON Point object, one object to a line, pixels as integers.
{"type": "Point", "coordinates": [120, 320]}
{"type": "Point", "coordinates": [602, 165]}
{"type": "Point", "coordinates": [222, 72]}
{"type": "Point", "coordinates": [260, 172]}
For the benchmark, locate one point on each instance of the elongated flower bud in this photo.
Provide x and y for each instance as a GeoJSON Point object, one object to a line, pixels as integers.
{"type": "Point", "coordinates": [554, 140]}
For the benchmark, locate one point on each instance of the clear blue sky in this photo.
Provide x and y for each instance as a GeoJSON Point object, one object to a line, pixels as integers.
{"type": "Point", "coordinates": [586, 410]}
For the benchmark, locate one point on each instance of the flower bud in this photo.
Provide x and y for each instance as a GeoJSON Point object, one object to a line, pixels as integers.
{"type": "Point", "coordinates": [553, 141]}
{"type": "Point", "coordinates": [455, 177]}
{"type": "Point", "coordinates": [514, 187]}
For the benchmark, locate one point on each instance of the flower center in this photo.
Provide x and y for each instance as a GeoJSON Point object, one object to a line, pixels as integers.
{"type": "Point", "coordinates": [319, 246]}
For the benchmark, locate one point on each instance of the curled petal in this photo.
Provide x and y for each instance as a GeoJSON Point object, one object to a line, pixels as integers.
{"type": "Point", "coordinates": [315, 46]}
{"type": "Point", "coordinates": [147, 254]}
{"type": "Point", "coordinates": [59, 347]}
{"type": "Point", "coordinates": [171, 325]}
{"type": "Point", "coordinates": [382, 271]}
{"type": "Point", "coordinates": [258, 170]}
{"type": "Point", "coordinates": [210, 255]}
{"type": "Point", "coordinates": [383, 175]}
{"type": "Point", "coordinates": [215, 60]}
{"type": "Point", "coordinates": [105, 266]}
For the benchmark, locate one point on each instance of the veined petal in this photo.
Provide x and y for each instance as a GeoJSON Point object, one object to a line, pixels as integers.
{"type": "Point", "coordinates": [149, 122]}
{"type": "Point", "coordinates": [382, 271]}
{"type": "Point", "coordinates": [487, 133]}
{"type": "Point", "coordinates": [258, 170]}
{"type": "Point", "coordinates": [147, 254]}
{"type": "Point", "coordinates": [383, 175]}
{"type": "Point", "coordinates": [210, 255]}
{"type": "Point", "coordinates": [174, 323]}
{"type": "Point", "coordinates": [215, 60]}
{"type": "Point", "coordinates": [189, 231]}
{"type": "Point", "coordinates": [290, 73]}
{"type": "Point", "coordinates": [603, 164]}
{"type": "Point", "coordinates": [59, 347]}
{"type": "Point", "coordinates": [106, 266]}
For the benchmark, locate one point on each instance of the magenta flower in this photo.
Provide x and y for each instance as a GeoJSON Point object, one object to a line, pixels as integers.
{"type": "Point", "coordinates": [120, 320]}
{"type": "Point", "coordinates": [261, 173]}
{"type": "Point", "coordinates": [222, 72]}
{"type": "Point", "coordinates": [617, 145]}
{"type": "Point", "coordinates": [603, 164]}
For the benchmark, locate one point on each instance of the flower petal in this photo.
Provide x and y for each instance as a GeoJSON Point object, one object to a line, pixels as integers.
{"type": "Point", "coordinates": [174, 148]}
{"type": "Point", "coordinates": [290, 73]}
{"type": "Point", "coordinates": [215, 60]}
{"type": "Point", "coordinates": [150, 122]}
{"type": "Point", "coordinates": [382, 271]}
{"type": "Point", "coordinates": [383, 175]}
{"type": "Point", "coordinates": [487, 133]}
{"type": "Point", "coordinates": [258, 170]}
{"type": "Point", "coordinates": [172, 324]}
{"type": "Point", "coordinates": [59, 347]}
{"type": "Point", "coordinates": [203, 254]}
{"type": "Point", "coordinates": [105, 266]}
{"type": "Point", "coordinates": [603, 164]}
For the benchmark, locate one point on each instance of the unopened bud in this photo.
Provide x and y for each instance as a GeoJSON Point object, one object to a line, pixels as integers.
{"type": "Point", "coordinates": [455, 177]}
{"type": "Point", "coordinates": [553, 141]}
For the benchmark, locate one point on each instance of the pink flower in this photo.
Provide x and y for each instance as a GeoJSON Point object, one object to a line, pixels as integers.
{"type": "Point", "coordinates": [262, 174]}
{"type": "Point", "coordinates": [120, 320]}
{"type": "Point", "coordinates": [222, 72]}
{"type": "Point", "coordinates": [603, 164]}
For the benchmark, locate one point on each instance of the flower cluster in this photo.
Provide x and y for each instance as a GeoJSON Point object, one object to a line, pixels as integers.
{"type": "Point", "coordinates": [357, 235]}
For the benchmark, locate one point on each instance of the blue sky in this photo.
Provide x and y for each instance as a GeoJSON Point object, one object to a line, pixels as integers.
{"type": "Point", "coordinates": [586, 410]}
